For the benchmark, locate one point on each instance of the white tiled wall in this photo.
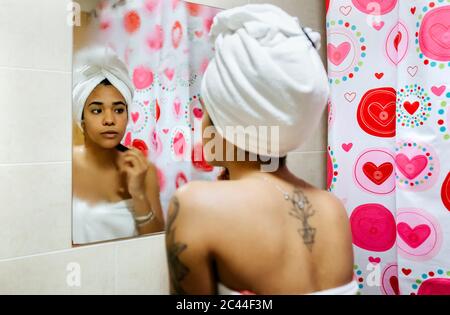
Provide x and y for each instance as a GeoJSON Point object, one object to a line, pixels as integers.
{"type": "Point", "coordinates": [35, 161]}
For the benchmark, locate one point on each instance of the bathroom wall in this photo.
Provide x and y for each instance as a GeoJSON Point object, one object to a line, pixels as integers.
{"type": "Point", "coordinates": [36, 255]}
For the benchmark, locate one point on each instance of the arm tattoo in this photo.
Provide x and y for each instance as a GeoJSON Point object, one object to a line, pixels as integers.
{"type": "Point", "coordinates": [302, 210]}
{"type": "Point", "coordinates": [177, 270]}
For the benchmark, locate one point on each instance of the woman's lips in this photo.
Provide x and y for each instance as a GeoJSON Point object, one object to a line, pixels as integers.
{"type": "Point", "coordinates": [110, 135]}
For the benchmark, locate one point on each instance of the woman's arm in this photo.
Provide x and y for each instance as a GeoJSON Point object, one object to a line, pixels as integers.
{"type": "Point", "coordinates": [188, 255]}
{"type": "Point", "coordinates": [143, 186]}
{"type": "Point", "coordinates": [152, 201]}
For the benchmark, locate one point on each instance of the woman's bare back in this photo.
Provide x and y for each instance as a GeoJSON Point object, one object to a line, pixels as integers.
{"type": "Point", "coordinates": [269, 245]}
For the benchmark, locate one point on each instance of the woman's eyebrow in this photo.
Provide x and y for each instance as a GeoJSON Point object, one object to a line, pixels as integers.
{"type": "Point", "coordinates": [96, 103]}
{"type": "Point", "coordinates": [101, 104]}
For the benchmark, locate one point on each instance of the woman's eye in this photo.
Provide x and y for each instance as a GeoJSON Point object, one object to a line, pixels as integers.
{"type": "Point", "coordinates": [120, 110]}
{"type": "Point", "coordinates": [96, 111]}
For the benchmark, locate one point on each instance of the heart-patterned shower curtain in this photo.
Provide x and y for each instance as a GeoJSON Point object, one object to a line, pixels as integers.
{"type": "Point", "coordinates": [389, 139]}
{"type": "Point", "coordinates": [165, 45]}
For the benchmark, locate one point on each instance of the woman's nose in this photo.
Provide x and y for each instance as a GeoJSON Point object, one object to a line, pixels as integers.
{"type": "Point", "coordinates": [109, 118]}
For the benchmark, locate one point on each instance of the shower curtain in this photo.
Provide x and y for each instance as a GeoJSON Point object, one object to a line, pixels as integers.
{"type": "Point", "coordinates": [389, 139]}
{"type": "Point", "coordinates": [165, 45]}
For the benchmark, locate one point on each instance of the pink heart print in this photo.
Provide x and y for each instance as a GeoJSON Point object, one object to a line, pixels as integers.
{"type": "Point", "coordinates": [440, 33]}
{"type": "Point", "coordinates": [156, 40]}
{"type": "Point", "coordinates": [338, 54]}
{"type": "Point", "coordinates": [177, 107]}
{"type": "Point", "coordinates": [347, 146]}
{"type": "Point", "coordinates": [135, 117]}
{"type": "Point", "coordinates": [375, 7]}
{"type": "Point", "coordinates": [411, 168]}
{"type": "Point", "coordinates": [378, 25]}
{"type": "Point", "coordinates": [414, 237]}
{"type": "Point", "coordinates": [438, 91]}
{"type": "Point", "coordinates": [179, 144]}
{"type": "Point", "coordinates": [142, 77]}
{"type": "Point", "coordinates": [169, 73]}
{"type": "Point", "coordinates": [151, 4]}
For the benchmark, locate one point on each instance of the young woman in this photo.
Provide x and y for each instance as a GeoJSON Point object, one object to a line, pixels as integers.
{"type": "Point", "coordinates": [258, 232]}
{"type": "Point", "coordinates": [115, 192]}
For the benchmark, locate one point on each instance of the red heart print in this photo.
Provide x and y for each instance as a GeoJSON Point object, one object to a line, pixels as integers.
{"type": "Point", "coordinates": [383, 114]}
{"type": "Point", "coordinates": [177, 34]}
{"type": "Point", "coordinates": [180, 180]}
{"type": "Point", "coordinates": [435, 286]}
{"type": "Point", "coordinates": [393, 281]}
{"type": "Point", "coordinates": [406, 272]}
{"type": "Point", "coordinates": [445, 192]}
{"type": "Point", "coordinates": [198, 159]}
{"type": "Point", "coordinates": [132, 22]}
{"type": "Point", "coordinates": [179, 144]}
{"type": "Point", "coordinates": [374, 260]}
{"type": "Point", "coordinates": [411, 108]}
{"type": "Point", "coordinates": [376, 112]}
{"type": "Point", "coordinates": [378, 174]}
{"type": "Point", "coordinates": [379, 75]}
{"type": "Point", "coordinates": [141, 146]}
{"type": "Point", "coordinates": [198, 113]}
{"type": "Point", "coordinates": [157, 111]}
{"type": "Point", "coordinates": [397, 40]}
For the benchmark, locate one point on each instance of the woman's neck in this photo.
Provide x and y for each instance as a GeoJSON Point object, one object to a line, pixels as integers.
{"type": "Point", "coordinates": [240, 170]}
{"type": "Point", "coordinates": [100, 157]}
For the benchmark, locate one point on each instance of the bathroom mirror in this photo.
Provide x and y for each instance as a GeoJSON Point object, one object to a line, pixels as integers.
{"type": "Point", "coordinates": [131, 152]}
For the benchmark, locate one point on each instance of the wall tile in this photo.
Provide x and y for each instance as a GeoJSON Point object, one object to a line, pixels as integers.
{"type": "Point", "coordinates": [310, 166]}
{"type": "Point", "coordinates": [319, 139]}
{"type": "Point", "coordinates": [53, 273]}
{"type": "Point", "coordinates": [36, 116]}
{"type": "Point", "coordinates": [36, 34]}
{"type": "Point", "coordinates": [36, 208]}
{"type": "Point", "coordinates": [142, 266]}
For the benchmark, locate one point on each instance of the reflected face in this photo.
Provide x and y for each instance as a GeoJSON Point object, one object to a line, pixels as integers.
{"type": "Point", "coordinates": [105, 116]}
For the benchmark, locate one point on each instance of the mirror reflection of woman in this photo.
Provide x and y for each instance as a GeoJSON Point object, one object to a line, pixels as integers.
{"type": "Point", "coordinates": [255, 232]}
{"type": "Point", "coordinates": [115, 193]}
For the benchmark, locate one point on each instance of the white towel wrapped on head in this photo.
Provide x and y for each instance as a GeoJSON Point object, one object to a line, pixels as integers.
{"type": "Point", "coordinates": [91, 67]}
{"type": "Point", "coordinates": [265, 72]}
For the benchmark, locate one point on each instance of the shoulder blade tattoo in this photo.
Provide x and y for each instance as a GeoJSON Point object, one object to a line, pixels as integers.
{"type": "Point", "coordinates": [177, 269]}
{"type": "Point", "coordinates": [302, 210]}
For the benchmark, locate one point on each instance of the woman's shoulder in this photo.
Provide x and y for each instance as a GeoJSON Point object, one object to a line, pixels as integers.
{"type": "Point", "coordinates": [327, 201]}
{"type": "Point", "coordinates": [202, 194]}
{"type": "Point", "coordinates": [78, 154]}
